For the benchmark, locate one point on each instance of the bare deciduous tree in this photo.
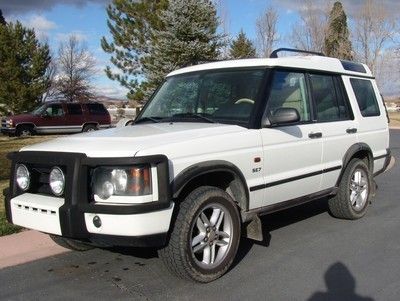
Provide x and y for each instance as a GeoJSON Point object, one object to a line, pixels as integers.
{"type": "Point", "coordinates": [267, 32]}
{"type": "Point", "coordinates": [374, 28]}
{"type": "Point", "coordinates": [76, 68]}
{"type": "Point", "coordinates": [309, 32]}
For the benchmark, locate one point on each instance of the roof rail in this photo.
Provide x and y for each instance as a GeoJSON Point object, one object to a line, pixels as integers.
{"type": "Point", "coordinates": [274, 54]}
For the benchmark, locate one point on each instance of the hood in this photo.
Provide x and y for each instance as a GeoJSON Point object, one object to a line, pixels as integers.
{"type": "Point", "coordinates": [19, 117]}
{"type": "Point", "coordinates": [127, 141]}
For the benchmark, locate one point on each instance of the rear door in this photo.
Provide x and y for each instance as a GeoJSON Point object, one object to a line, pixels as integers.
{"type": "Point", "coordinates": [75, 117]}
{"type": "Point", "coordinates": [292, 153]}
{"type": "Point", "coordinates": [336, 121]}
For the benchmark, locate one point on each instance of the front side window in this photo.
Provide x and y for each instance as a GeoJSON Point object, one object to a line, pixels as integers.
{"type": "Point", "coordinates": [54, 110]}
{"type": "Point", "coordinates": [220, 96]}
{"type": "Point", "coordinates": [365, 95]}
{"type": "Point", "coordinates": [289, 90]}
{"type": "Point", "coordinates": [330, 105]}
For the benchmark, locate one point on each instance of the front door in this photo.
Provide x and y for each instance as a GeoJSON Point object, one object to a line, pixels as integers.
{"type": "Point", "coordinates": [52, 120]}
{"type": "Point", "coordinates": [293, 152]}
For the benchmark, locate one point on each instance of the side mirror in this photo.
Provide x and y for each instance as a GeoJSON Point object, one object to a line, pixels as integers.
{"type": "Point", "coordinates": [45, 114]}
{"type": "Point", "coordinates": [284, 116]}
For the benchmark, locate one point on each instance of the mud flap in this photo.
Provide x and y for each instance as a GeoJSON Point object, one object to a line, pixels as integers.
{"type": "Point", "coordinates": [253, 230]}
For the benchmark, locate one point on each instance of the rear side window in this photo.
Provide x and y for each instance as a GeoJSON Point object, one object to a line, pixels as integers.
{"type": "Point", "coordinates": [74, 109]}
{"type": "Point", "coordinates": [365, 96]}
{"type": "Point", "coordinates": [97, 109]}
{"type": "Point", "coordinates": [289, 90]}
{"type": "Point", "coordinates": [330, 105]}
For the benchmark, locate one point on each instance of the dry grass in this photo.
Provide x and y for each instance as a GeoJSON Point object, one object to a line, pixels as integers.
{"type": "Point", "coordinates": [8, 145]}
{"type": "Point", "coordinates": [394, 119]}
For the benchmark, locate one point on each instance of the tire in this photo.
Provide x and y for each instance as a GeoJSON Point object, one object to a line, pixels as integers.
{"type": "Point", "coordinates": [89, 128]}
{"type": "Point", "coordinates": [192, 242]}
{"type": "Point", "coordinates": [355, 189]}
{"type": "Point", "coordinates": [71, 244]}
{"type": "Point", "coordinates": [24, 131]}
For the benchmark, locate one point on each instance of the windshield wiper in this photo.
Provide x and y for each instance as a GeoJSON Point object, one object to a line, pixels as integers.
{"type": "Point", "coordinates": [199, 116]}
{"type": "Point", "coordinates": [143, 119]}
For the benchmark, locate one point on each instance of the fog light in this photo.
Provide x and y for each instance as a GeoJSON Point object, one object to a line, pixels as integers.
{"type": "Point", "coordinates": [57, 181]}
{"type": "Point", "coordinates": [22, 177]}
{"type": "Point", "coordinates": [97, 221]}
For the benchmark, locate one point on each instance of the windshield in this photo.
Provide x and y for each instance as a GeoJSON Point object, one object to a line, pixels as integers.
{"type": "Point", "coordinates": [39, 110]}
{"type": "Point", "coordinates": [220, 96]}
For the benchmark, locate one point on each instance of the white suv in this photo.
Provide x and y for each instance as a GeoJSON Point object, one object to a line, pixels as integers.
{"type": "Point", "coordinates": [218, 145]}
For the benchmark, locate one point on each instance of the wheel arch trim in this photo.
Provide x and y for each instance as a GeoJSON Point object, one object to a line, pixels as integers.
{"type": "Point", "coordinates": [202, 168]}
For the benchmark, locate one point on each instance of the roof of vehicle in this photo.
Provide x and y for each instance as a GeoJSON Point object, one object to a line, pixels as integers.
{"type": "Point", "coordinates": [312, 62]}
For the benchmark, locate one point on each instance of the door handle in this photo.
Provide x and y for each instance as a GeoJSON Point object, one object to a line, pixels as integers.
{"type": "Point", "coordinates": [351, 131]}
{"type": "Point", "coordinates": [316, 135]}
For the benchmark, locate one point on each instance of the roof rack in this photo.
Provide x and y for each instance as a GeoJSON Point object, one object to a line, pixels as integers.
{"type": "Point", "coordinates": [274, 54]}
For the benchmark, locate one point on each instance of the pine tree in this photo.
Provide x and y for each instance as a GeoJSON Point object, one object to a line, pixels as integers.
{"type": "Point", "coordinates": [337, 42]}
{"type": "Point", "coordinates": [2, 20]}
{"type": "Point", "coordinates": [189, 37]}
{"type": "Point", "coordinates": [132, 25]}
{"type": "Point", "coordinates": [242, 47]}
{"type": "Point", "coordinates": [23, 65]}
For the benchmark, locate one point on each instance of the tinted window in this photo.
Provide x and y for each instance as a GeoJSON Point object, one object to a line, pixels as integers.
{"type": "Point", "coordinates": [97, 109]}
{"type": "Point", "coordinates": [74, 109]}
{"type": "Point", "coordinates": [330, 105]}
{"type": "Point", "coordinates": [365, 95]}
{"type": "Point", "coordinates": [289, 90]}
{"type": "Point", "coordinates": [55, 110]}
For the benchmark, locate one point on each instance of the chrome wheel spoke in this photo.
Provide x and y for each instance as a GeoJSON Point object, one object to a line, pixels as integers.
{"type": "Point", "coordinates": [215, 216]}
{"type": "Point", "coordinates": [207, 254]}
{"type": "Point", "coordinates": [198, 239]}
{"type": "Point", "coordinates": [219, 221]}
{"type": "Point", "coordinates": [223, 234]}
{"type": "Point", "coordinates": [205, 220]}
{"type": "Point", "coordinates": [212, 257]}
{"type": "Point", "coordinates": [221, 243]}
{"type": "Point", "coordinates": [200, 225]}
{"type": "Point", "coordinates": [200, 247]}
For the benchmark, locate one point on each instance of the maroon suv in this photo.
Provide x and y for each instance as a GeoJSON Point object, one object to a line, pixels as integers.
{"type": "Point", "coordinates": [58, 117]}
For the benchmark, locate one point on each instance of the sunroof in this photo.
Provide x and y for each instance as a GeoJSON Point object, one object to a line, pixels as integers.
{"type": "Point", "coordinates": [351, 66]}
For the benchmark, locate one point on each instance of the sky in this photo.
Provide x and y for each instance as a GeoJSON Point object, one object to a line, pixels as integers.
{"type": "Point", "coordinates": [55, 20]}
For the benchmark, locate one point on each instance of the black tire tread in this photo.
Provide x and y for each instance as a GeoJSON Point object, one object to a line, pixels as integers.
{"type": "Point", "coordinates": [339, 205]}
{"type": "Point", "coordinates": [173, 255]}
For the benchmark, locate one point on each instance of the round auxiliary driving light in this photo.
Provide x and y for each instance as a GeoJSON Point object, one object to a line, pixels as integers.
{"type": "Point", "coordinates": [23, 177]}
{"type": "Point", "coordinates": [57, 181]}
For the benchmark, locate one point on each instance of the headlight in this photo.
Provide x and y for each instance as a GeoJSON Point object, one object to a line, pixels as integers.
{"type": "Point", "coordinates": [121, 181]}
{"type": "Point", "coordinates": [9, 123]}
{"type": "Point", "coordinates": [23, 177]}
{"type": "Point", "coordinates": [57, 181]}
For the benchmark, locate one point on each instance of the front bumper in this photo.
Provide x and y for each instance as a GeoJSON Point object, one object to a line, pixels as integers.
{"type": "Point", "coordinates": [7, 131]}
{"type": "Point", "coordinates": [72, 215]}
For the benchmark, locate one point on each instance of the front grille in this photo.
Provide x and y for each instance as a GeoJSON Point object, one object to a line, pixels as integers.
{"type": "Point", "coordinates": [3, 123]}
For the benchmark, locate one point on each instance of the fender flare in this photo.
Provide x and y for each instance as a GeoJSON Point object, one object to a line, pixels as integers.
{"type": "Point", "coordinates": [354, 149]}
{"type": "Point", "coordinates": [202, 168]}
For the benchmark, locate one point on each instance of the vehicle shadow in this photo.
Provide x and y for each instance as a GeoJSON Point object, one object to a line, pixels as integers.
{"type": "Point", "coordinates": [270, 223]}
{"type": "Point", "coordinates": [340, 284]}
{"type": "Point", "coordinates": [278, 220]}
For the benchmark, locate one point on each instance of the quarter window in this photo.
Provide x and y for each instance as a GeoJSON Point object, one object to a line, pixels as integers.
{"type": "Point", "coordinates": [97, 109]}
{"type": "Point", "coordinates": [330, 105]}
{"type": "Point", "coordinates": [289, 90]}
{"type": "Point", "coordinates": [366, 98]}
